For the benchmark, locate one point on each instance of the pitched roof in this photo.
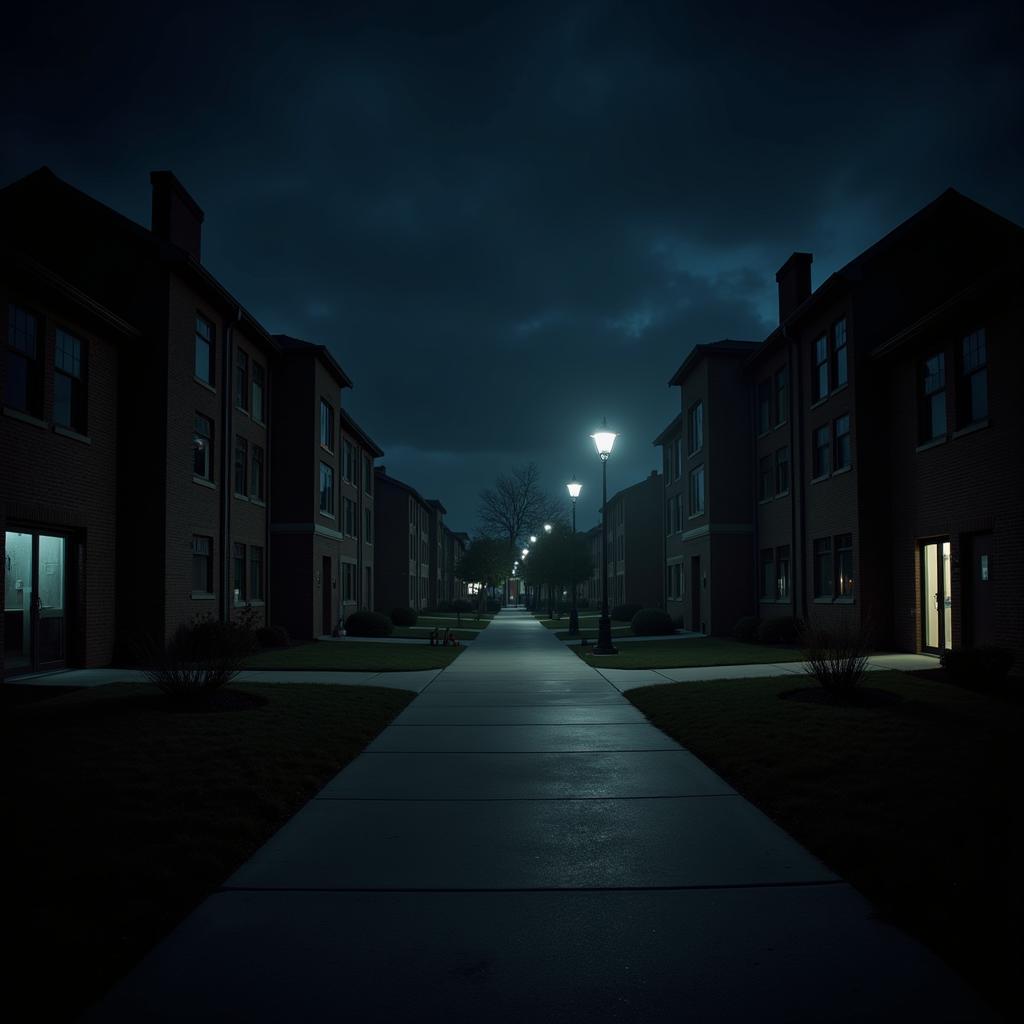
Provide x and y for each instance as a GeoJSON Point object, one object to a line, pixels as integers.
{"type": "Point", "coordinates": [725, 347]}
{"type": "Point", "coordinates": [297, 347]}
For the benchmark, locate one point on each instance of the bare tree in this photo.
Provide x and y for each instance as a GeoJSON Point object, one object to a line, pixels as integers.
{"type": "Point", "coordinates": [516, 504]}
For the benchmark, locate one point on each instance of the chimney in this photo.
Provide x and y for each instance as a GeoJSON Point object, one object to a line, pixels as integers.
{"type": "Point", "coordinates": [176, 215]}
{"type": "Point", "coordinates": [794, 279]}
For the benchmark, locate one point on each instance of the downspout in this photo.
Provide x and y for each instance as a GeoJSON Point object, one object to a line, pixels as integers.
{"type": "Point", "coordinates": [268, 406]}
{"type": "Point", "coordinates": [797, 473]}
{"type": "Point", "coordinates": [755, 495]}
{"type": "Point", "coordinates": [227, 464]}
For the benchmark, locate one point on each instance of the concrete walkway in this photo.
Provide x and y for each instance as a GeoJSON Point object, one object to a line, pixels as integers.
{"type": "Point", "coordinates": [521, 845]}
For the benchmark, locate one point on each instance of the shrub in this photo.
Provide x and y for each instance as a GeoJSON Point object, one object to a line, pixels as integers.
{"type": "Point", "coordinates": [746, 628]}
{"type": "Point", "coordinates": [273, 636]}
{"type": "Point", "coordinates": [460, 605]}
{"type": "Point", "coordinates": [404, 616]}
{"type": "Point", "coordinates": [837, 657]}
{"type": "Point", "coordinates": [978, 666]}
{"type": "Point", "coordinates": [679, 622]}
{"type": "Point", "coordinates": [367, 623]}
{"type": "Point", "coordinates": [202, 656]}
{"type": "Point", "coordinates": [652, 622]}
{"type": "Point", "coordinates": [624, 612]}
{"type": "Point", "coordinates": [779, 631]}
{"type": "Point", "coordinates": [493, 604]}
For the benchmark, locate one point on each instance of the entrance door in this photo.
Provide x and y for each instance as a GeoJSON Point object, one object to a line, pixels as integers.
{"type": "Point", "coordinates": [695, 590]}
{"type": "Point", "coordinates": [327, 625]}
{"type": "Point", "coordinates": [937, 596]}
{"type": "Point", "coordinates": [34, 602]}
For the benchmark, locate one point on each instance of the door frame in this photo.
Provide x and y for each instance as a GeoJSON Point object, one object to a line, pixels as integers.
{"type": "Point", "coordinates": [940, 595]}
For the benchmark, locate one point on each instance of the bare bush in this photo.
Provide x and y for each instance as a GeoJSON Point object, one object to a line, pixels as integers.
{"type": "Point", "coordinates": [837, 657]}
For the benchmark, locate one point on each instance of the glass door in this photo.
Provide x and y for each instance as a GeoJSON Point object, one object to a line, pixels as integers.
{"type": "Point", "coordinates": [937, 596]}
{"type": "Point", "coordinates": [34, 602]}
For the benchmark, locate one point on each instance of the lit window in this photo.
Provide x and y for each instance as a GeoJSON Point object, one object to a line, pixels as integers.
{"type": "Point", "coordinates": [844, 565]}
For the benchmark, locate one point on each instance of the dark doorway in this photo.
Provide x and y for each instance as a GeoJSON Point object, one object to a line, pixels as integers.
{"type": "Point", "coordinates": [976, 574]}
{"type": "Point", "coordinates": [695, 595]}
{"type": "Point", "coordinates": [327, 627]}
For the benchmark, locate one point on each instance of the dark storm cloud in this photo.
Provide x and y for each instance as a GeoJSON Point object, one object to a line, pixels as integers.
{"type": "Point", "coordinates": [510, 220]}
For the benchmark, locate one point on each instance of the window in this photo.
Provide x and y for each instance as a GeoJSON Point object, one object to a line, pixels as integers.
{"type": "Point", "coordinates": [69, 383]}
{"type": "Point", "coordinates": [841, 429]}
{"type": "Point", "coordinates": [368, 474]}
{"type": "Point", "coordinates": [241, 380]}
{"type": "Point", "coordinates": [764, 406]}
{"type": "Point", "coordinates": [696, 428]}
{"type": "Point", "coordinates": [782, 395]}
{"type": "Point", "coordinates": [238, 559]}
{"type": "Point", "coordinates": [350, 516]}
{"type": "Point", "coordinates": [933, 397]}
{"type": "Point", "coordinates": [823, 567]}
{"type": "Point", "coordinates": [258, 378]}
{"type": "Point", "coordinates": [256, 591]}
{"type": "Point", "coordinates": [839, 374]}
{"type": "Point", "coordinates": [669, 513]}
{"type": "Point", "coordinates": [257, 473]}
{"type": "Point", "coordinates": [368, 525]}
{"type": "Point", "coordinates": [844, 565]}
{"type": "Point", "coordinates": [678, 449]}
{"type": "Point", "coordinates": [204, 354]}
{"type": "Point", "coordinates": [202, 447]}
{"type": "Point", "coordinates": [241, 461]}
{"type": "Point", "coordinates": [202, 565]}
{"type": "Point", "coordinates": [412, 548]}
{"type": "Point", "coordinates": [765, 474]}
{"type": "Point", "coordinates": [348, 581]}
{"type": "Point", "coordinates": [973, 389]}
{"type": "Point", "coordinates": [326, 425]}
{"type": "Point", "coordinates": [782, 573]}
{"type": "Point", "coordinates": [768, 582]}
{"type": "Point", "coordinates": [23, 379]}
{"type": "Point", "coordinates": [348, 470]}
{"type": "Point", "coordinates": [326, 489]}
{"type": "Point", "coordinates": [822, 448]}
{"type": "Point", "coordinates": [782, 470]}
{"type": "Point", "coordinates": [697, 492]}
{"type": "Point", "coordinates": [820, 378]}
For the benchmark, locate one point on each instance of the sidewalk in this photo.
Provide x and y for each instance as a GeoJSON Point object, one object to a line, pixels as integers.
{"type": "Point", "coordinates": [520, 844]}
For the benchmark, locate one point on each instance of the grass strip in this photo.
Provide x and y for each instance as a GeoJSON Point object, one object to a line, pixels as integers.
{"type": "Point", "coordinates": [122, 814]}
{"type": "Point", "coordinates": [914, 797]}
{"type": "Point", "coordinates": [692, 653]}
{"type": "Point", "coordinates": [354, 656]}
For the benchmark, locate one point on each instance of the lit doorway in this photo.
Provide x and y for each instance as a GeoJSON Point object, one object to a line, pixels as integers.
{"type": "Point", "coordinates": [937, 596]}
{"type": "Point", "coordinates": [34, 602]}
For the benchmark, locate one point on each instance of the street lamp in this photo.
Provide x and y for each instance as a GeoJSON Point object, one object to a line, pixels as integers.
{"type": "Point", "coordinates": [603, 441]}
{"type": "Point", "coordinates": [574, 489]}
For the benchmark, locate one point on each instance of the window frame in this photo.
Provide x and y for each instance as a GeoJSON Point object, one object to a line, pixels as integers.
{"type": "Point", "coordinates": [206, 444]}
{"type": "Point", "coordinates": [241, 379]}
{"type": "Point", "coordinates": [239, 588]}
{"type": "Point", "coordinates": [821, 374]}
{"type": "Point", "coordinates": [839, 353]}
{"type": "Point", "coordinates": [326, 425]}
{"type": "Point", "coordinates": [326, 489]}
{"type": "Point", "coordinates": [207, 557]}
{"type": "Point", "coordinates": [696, 509]}
{"type": "Point", "coordinates": [843, 592]}
{"type": "Point", "coordinates": [839, 444]}
{"type": "Point", "coordinates": [77, 386]}
{"type": "Point", "coordinates": [694, 429]}
{"type": "Point", "coordinates": [932, 396]}
{"type": "Point", "coordinates": [241, 479]}
{"type": "Point", "coordinates": [821, 452]}
{"type": "Point", "coordinates": [822, 559]}
{"type": "Point", "coordinates": [210, 342]}
{"type": "Point", "coordinates": [257, 481]}
{"type": "Point", "coordinates": [781, 395]}
{"type": "Point", "coordinates": [32, 363]}
{"type": "Point", "coordinates": [258, 396]}
{"type": "Point", "coordinates": [257, 579]}
{"type": "Point", "coordinates": [967, 415]}
{"type": "Point", "coordinates": [783, 579]}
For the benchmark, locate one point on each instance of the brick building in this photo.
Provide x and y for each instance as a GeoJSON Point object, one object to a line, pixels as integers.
{"type": "Point", "coordinates": [875, 441]}
{"type": "Point", "coordinates": [192, 404]}
{"type": "Point", "coordinates": [402, 527]}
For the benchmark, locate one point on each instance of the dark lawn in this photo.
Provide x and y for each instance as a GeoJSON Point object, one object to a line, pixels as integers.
{"type": "Point", "coordinates": [355, 656]}
{"type": "Point", "coordinates": [121, 815]}
{"type": "Point", "coordinates": [918, 803]}
{"type": "Point", "coordinates": [422, 632]}
{"type": "Point", "coordinates": [469, 621]}
{"type": "Point", "coordinates": [691, 653]}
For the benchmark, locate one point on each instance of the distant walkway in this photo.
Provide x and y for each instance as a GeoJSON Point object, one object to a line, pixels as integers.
{"type": "Point", "coordinates": [521, 845]}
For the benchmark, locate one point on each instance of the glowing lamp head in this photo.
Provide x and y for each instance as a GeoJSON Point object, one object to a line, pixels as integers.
{"type": "Point", "coordinates": [603, 441]}
{"type": "Point", "coordinates": [533, 540]}
{"type": "Point", "coordinates": [574, 489]}
{"type": "Point", "coordinates": [526, 551]}
{"type": "Point", "coordinates": [547, 527]}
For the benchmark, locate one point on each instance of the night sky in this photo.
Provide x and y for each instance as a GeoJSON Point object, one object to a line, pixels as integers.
{"type": "Point", "coordinates": [508, 221]}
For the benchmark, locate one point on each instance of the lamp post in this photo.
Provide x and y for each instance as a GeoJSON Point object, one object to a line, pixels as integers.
{"type": "Point", "coordinates": [574, 489]}
{"type": "Point", "coordinates": [603, 441]}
